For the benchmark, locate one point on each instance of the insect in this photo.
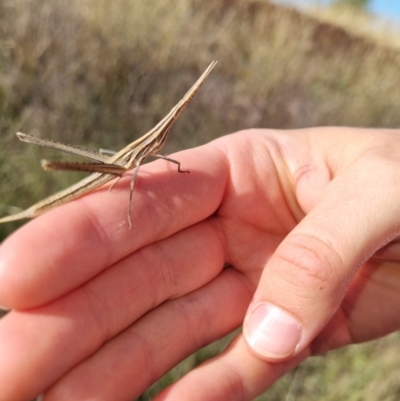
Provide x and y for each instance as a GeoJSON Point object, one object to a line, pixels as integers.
{"type": "Point", "coordinates": [105, 168]}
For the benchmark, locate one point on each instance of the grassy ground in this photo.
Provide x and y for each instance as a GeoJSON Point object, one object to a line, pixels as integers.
{"type": "Point", "coordinates": [100, 73]}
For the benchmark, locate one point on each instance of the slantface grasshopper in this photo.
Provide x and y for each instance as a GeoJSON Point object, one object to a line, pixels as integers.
{"type": "Point", "coordinates": [105, 168]}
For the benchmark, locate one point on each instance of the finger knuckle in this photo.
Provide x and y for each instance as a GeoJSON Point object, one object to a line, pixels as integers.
{"type": "Point", "coordinates": [310, 262]}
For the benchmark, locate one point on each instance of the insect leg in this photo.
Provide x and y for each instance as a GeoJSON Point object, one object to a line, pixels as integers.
{"type": "Point", "coordinates": [173, 161]}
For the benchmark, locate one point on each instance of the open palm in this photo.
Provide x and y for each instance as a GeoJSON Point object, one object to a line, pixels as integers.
{"type": "Point", "coordinates": [303, 222]}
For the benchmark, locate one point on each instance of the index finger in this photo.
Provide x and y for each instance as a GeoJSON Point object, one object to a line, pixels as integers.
{"type": "Point", "coordinates": [73, 243]}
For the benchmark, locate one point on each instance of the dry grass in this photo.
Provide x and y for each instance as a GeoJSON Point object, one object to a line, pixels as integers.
{"type": "Point", "coordinates": [100, 73]}
{"type": "Point", "coordinates": [384, 33]}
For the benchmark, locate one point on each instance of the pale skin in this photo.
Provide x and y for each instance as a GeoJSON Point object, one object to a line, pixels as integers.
{"type": "Point", "coordinates": [308, 221]}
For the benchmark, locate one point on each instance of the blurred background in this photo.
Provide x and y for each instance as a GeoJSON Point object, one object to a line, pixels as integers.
{"type": "Point", "coordinates": [100, 73]}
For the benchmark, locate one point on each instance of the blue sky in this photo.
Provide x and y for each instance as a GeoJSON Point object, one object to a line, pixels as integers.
{"type": "Point", "coordinates": [386, 8]}
{"type": "Point", "coordinates": [389, 9]}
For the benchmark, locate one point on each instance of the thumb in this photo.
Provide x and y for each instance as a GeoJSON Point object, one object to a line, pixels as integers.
{"type": "Point", "coordinates": [304, 282]}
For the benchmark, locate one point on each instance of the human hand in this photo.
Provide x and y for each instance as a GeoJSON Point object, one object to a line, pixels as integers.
{"type": "Point", "coordinates": [307, 220]}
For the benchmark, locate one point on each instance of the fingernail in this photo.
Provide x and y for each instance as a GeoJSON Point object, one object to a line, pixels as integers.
{"type": "Point", "coordinates": [271, 332]}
